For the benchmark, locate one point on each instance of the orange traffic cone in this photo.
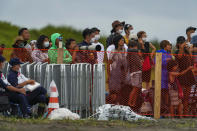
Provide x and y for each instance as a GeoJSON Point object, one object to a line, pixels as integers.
{"type": "Point", "coordinates": [53, 101]}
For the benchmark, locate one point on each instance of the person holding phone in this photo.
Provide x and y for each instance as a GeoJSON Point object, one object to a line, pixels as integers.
{"type": "Point", "coordinates": [52, 52]}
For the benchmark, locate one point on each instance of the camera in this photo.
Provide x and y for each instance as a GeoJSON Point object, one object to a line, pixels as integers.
{"type": "Point", "coordinates": [91, 47]}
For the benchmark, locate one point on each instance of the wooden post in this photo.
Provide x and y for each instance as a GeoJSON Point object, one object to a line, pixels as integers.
{"type": "Point", "coordinates": [157, 94]}
{"type": "Point", "coordinates": [60, 55]}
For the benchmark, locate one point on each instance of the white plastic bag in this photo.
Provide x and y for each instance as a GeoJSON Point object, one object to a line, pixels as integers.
{"type": "Point", "coordinates": [117, 112]}
{"type": "Point", "coordinates": [63, 113]}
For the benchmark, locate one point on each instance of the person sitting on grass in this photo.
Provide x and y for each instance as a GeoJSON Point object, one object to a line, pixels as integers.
{"type": "Point", "coordinates": [175, 91]}
{"type": "Point", "coordinates": [26, 98]}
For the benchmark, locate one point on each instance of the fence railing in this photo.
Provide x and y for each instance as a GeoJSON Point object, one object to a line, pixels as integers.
{"type": "Point", "coordinates": [151, 84]}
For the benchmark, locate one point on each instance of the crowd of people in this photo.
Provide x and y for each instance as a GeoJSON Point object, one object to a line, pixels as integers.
{"type": "Point", "coordinates": [130, 61]}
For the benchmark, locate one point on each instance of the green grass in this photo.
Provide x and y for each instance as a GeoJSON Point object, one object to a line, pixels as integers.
{"type": "Point", "coordinates": [162, 123]}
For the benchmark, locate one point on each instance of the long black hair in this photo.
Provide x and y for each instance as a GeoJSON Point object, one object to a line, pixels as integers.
{"type": "Point", "coordinates": [40, 42]}
{"type": "Point", "coordinates": [116, 40]}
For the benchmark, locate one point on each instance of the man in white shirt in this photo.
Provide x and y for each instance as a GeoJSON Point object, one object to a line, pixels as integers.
{"type": "Point", "coordinates": [100, 54]}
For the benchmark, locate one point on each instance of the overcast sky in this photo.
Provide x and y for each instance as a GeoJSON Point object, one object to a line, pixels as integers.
{"type": "Point", "coordinates": [162, 19]}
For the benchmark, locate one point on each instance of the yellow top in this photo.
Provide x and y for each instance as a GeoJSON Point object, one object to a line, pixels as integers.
{"type": "Point", "coordinates": [126, 40]}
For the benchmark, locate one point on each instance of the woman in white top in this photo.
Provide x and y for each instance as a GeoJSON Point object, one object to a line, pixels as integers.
{"type": "Point", "coordinates": [117, 73]}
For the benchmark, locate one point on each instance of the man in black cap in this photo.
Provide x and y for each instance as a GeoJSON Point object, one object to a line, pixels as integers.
{"type": "Point", "coordinates": [18, 80]}
{"type": "Point", "coordinates": [5, 87]}
{"type": "Point", "coordinates": [189, 32]}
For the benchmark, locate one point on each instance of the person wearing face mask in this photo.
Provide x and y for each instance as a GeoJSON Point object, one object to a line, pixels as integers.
{"type": "Point", "coordinates": [117, 29]}
{"type": "Point", "coordinates": [100, 54]}
{"type": "Point", "coordinates": [5, 88]}
{"type": "Point", "coordinates": [144, 47]}
{"type": "Point", "coordinates": [88, 56]}
{"type": "Point", "coordinates": [52, 52]}
{"type": "Point", "coordinates": [19, 51]}
{"type": "Point", "coordinates": [127, 29]}
{"type": "Point", "coordinates": [194, 48]}
{"type": "Point", "coordinates": [40, 54]}
{"type": "Point", "coordinates": [190, 33]}
{"type": "Point", "coordinates": [27, 98]}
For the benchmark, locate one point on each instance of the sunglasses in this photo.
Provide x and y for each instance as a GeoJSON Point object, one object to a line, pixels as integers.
{"type": "Point", "coordinates": [60, 38]}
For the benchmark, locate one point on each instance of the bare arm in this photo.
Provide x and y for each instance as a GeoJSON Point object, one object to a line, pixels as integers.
{"type": "Point", "coordinates": [180, 53]}
{"type": "Point", "coordinates": [14, 89]}
{"type": "Point", "coordinates": [22, 84]}
{"type": "Point", "coordinates": [181, 73]}
{"type": "Point", "coordinates": [153, 49]}
{"type": "Point", "coordinates": [108, 67]}
{"type": "Point", "coordinates": [193, 49]}
{"type": "Point", "coordinates": [26, 83]}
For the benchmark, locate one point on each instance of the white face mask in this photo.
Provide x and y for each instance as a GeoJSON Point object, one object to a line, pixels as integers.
{"type": "Point", "coordinates": [192, 34]}
{"type": "Point", "coordinates": [97, 37]}
{"type": "Point", "coordinates": [92, 40]}
{"type": "Point", "coordinates": [144, 39]}
{"type": "Point", "coordinates": [46, 44]}
{"type": "Point", "coordinates": [120, 31]}
{"type": "Point", "coordinates": [133, 36]}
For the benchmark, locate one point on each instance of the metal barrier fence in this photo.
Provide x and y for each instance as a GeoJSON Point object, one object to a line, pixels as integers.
{"type": "Point", "coordinates": [147, 84]}
{"type": "Point", "coordinates": [79, 90]}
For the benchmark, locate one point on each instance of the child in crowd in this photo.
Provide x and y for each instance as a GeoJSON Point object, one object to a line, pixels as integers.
{"type": "Point", "coordinates": [175, 91]}
{"type": "Point", "coordinates": [134, 77]}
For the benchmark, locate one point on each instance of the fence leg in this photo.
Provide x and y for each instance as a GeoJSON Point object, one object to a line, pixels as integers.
{"type": "Point", "coordinates": [157, 94]}
{"type": "Point", "coordinates": [60, 52]}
